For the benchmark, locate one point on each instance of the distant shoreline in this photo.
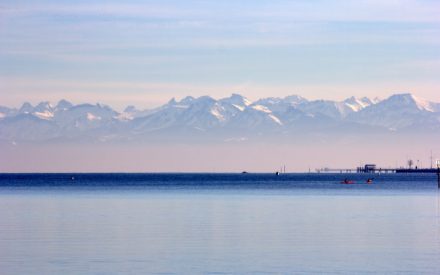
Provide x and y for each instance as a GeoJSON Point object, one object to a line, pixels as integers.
{"type": "Point", "coordinates": [398, 171]}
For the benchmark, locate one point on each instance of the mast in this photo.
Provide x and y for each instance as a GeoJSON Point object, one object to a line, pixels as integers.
{"type": "Point", "coordinates": [431, 159]}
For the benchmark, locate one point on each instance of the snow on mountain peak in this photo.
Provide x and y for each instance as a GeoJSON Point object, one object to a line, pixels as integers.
{"type": "Point", "coordinates": [43, 110]}
{"type": "Point", "coordinates": [217, 112]}
{"type": "Point", "coordinates": [44, 106]}
{"type": "Point", "coordinates": [411, 100]}
{"type": "Point", "coordinates": [423, 104]}
{"type": "Point", "coordinates": [45, 114]}
{"type": "Point", "coordinates": [274, 118]}
{"type": "Point", "coordinates": [128, 114]}
{"type": "Point", "coordinates": [187, 100]}
{"type": "Point", "coordinates": [291, 100]}
{"type": "Point", "coordinates": [239, 101]}
{"type": "Point", "coordinates": [357, 104]}
{"type": "Point", "coordinates": [400, 111]}
{"type": "Point", "coordinates": [234, 113]}
{"type": "Point", "coordinates": [295, 99]}
{"type": "Point", "coordinates": [261, 108]}
{"type": "Point", "coordinates": [191, 101]}
{"type": "Point", "coordinates": [92, 117]}
{"type": "Point", "coordinates": [26, 108]}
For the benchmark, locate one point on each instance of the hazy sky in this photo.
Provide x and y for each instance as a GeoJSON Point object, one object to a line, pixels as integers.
{"type": "Point", "coordinates": [145, 52]}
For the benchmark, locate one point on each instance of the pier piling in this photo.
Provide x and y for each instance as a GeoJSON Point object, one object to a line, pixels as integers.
{"type": "Point", "coordinates": [438, 173]}
{"type": "Point", "coordinates": [438, 176]}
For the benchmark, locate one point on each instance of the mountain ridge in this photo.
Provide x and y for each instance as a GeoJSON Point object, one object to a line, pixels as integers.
{"type": "Point", "coordinates": [226, 118]}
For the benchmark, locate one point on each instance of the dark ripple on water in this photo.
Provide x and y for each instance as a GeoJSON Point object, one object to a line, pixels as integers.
{"type": "Point", "coordinates": [226, 181]}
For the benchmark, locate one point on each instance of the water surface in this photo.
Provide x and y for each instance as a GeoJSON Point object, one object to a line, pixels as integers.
{"type": "Point", "coordinates": [218, 224]}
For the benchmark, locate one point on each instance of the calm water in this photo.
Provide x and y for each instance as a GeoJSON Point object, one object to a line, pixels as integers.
{"type": "Point", "coordinates": [218, 224]}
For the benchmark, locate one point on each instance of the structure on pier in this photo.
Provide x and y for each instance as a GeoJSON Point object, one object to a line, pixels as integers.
{"type": "Point", "coordinates": [368, 168]}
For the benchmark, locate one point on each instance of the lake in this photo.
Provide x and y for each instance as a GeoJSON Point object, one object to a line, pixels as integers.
{"type": "Point", "coordinates": [219, 224]}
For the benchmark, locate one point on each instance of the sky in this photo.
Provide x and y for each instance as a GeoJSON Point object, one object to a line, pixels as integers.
{"type": "Point", "coordinates": [146, 52]}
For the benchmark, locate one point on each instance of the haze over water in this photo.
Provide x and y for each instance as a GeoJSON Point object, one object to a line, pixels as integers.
{"type": "Point", "coordinates": [218, 224]}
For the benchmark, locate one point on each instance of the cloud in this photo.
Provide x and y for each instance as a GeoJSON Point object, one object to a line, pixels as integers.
{"type": "Point", "coordinates": [171, 48]}
{"type": "Point", "coordinates": [320, 10]}
{"type": "Point", "coordinates": [59, 27]}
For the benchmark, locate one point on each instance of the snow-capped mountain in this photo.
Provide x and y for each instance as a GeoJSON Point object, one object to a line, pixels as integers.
{"type": "Point", "coordinates": [256, 118]}
{"type": "Point", "coordinates": [205, 113]}
{"type": "Point", "coordinates": [400, 111]}
{"type": "Point", "coordinates": [237, 101]}
{"type": "Point", "coordinates": [279, 105]}
{"type": "Point", "coordinates": [227, 117]}
{"type": "Point", "coordinates": [26, 108]}
{"type": "Point", "coordinates": [44, 110]}
{"type": "Point", "coordinates": [197, 114]}
{"type": "Point", "coordinates": [334, 109]}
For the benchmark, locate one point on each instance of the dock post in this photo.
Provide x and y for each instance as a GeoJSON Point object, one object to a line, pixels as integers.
{"type": "Point", "coordinates": [438, 173]}
{"type": "Point", "coordinates": [438, 176]}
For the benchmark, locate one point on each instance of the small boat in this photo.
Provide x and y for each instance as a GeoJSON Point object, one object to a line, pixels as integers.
{"type": "Point", "coordinates": [369, 180]}
{"type": "Point", "coordinates": [347, 181]}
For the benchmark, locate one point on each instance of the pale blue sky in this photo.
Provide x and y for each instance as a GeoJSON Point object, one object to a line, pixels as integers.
{"type": "Point", "coordinates": [145, 52]}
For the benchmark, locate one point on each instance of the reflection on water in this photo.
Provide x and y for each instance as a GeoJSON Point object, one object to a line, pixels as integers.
{"type": "Point", "coordinates": [218, 232]}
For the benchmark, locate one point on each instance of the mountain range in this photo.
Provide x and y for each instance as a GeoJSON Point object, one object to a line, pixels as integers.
{"type": "Point", "coordinates": [226, 119]}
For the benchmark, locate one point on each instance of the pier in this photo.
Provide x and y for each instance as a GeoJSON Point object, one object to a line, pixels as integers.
{"type": "Point", "coordinates": [372, 168]}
